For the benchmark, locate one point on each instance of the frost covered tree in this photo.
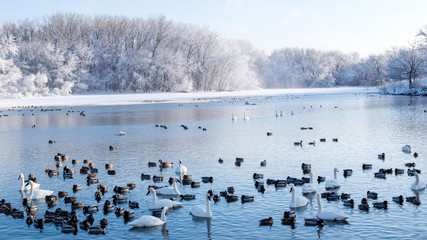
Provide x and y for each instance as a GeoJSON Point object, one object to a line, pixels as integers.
{"type": "Point", "coordinates": [10, 74]}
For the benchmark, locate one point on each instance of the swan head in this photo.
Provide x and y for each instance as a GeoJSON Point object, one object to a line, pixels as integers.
{"type": "Point", "coordinates": [208, 197]}
{"type": "Point", "coordinates": [150, 190]}
{"type": "Point", "coordinates": [21, 176]}
{"type": "Point", "coordinates": [292, 188]}
{"type": "Point", "coordinates": [336, 170]}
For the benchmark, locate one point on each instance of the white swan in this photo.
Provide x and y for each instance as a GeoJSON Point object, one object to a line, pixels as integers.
{"type": "Point", "coordinates": [309, 188]}
{"type": "Point", "coordinates": [297, 202]}
{"type": "Point", "coordinates": [417, 185]}
{"type": "Point", "coordinates": [27, 187]}
{"type": "Point", "coordinates": [245, 117]}
{"type": "Point", "coordinates": [162, 203]}
{"type": "Point", "coordinates": [233, 117]}
{"type": "Point", "coordinates": [150, 221]}
{"type": "Point", "coordinates": [169, 190]}
{"type": "Point", "coordinates": [277, 114]}
{"type": "Point", "coordinates": [181, 168]}
{"type": "Point", "coordinates": [328, 215]}
{"type": "Point", "coordinates": [38, 194]}
{"type": "Point", "coordinates": [202, 211]}
{"type": "Point", "coordinates": [333, 183]}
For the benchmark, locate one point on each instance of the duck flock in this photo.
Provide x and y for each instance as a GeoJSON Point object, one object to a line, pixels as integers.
{"type": "Point", "coordinates": [79, 216]}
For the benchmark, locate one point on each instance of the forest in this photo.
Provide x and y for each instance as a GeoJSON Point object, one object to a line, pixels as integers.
{"type": "Point", "coordinates": [71, 53]}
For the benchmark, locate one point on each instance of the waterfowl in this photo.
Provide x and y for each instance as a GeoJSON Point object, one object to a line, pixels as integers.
{"type": "Point", "coordinates": [266, 222]}
{"type": "Point", "coordinates": [298, 143]}
{"type": "Point", "coordinates": [181, 168]}
{"type": "Point", "coordinates": [96, 230]}
{"type": "Point", "coordinates": [333, 197]}
{"type": "Point", "coordinates": [366, 166]}
{"type": "Point", "coordinates": [245, 117]}
{"type": "Point", "coordinates": [39, 193]}
{"type": "Point", "coordinates": [221, 160]}
{"type": "Point", "coordinates": [257, 176]}
{"type": "Point", "coordinates": [314, 222]}
{"type": "Point", "coordinates": [165, 164]}
{"type": "Point", "coordinates": [246, 198]}
{"type": "Point", "coordinates": [150, 221]}
{"type": "Point", "coordinates": [305, 166]}
{"type": "Point", "coordinates": [412, 164]}
{"type": "Point", "coordinates": [347, 172]}
{"type": "Point", "coordinates": [332, 183]}
{"type": "Point", "coordinates": [202, 211]}
{"type": "Point", "coordinates": [233, 118]}
{"type": "Point", "coordinates": [70, 199]}
{"type": "Point", "coordinates": [230, 190]}
{"type": "Point", "coordinates": [122, 190]}
{"type": "Point", "coordinates": [309, 188]}
{"type": "Point", "coordinates": [145, 176]}
{"type": "Point", "coordinates": [26, 187]}
{"type": "Point", "coordinates": [263, 163]}
{"type": "Point", "coordinates": [76, 205]}
{"type": "Point", "coordinates": [399, 171]}
{"type": "Point", "coordinates": [269, 134]}
{"type": "Point", "coordinates": [163, 202]}
{"type": "Point", "coordinates": [128, 215]}
{"type": "Point", "coordinates": [372, 195]}
{"type": "Point", "coordinates": [349, 203]}
{"type": "Point", "coordinates": [157, 178]}
{"type": "Point", "coordinates": [119, 211]}
{"type": "Point", "coordinates": [412, 171]}
{"type": "Point", "coordinates": [187, 197]}
{"type": "Point", "coordinates": [277, 114]}
{"type": "Point", "coordinates": [121, 133]}
{"type": "Point", "coordinates": [415, 155]}
{"type": "Point", "coordinates": [133, 204]}
{"type": "Point", "coordinates": [398, 199]}
{"type": "Point", "coordinates": [414, 200]}
{"type": "Point", "coordinates": [108, 207]}
{"type": "Point", "coordinates": [328, 215]}
{"type": "Point", "coordinates": [281, 113]}
{"type": "Point", "coordinates": [323, 140]}
{"type": "Point", "coordinates": [345, 195]}
{"type": "Point", "coordinates": [379, 175]}
{"type": "Point", "coordinates": [111, 172]}
{"type": "Point", "coordinates": [169, 190]}
{"type": "Point", "coordinates": [288, 220]}
{"type": "Point", "coordinates": [381, 156]}
{"type": "Point", "coordinates": [207, 179]}
{"type": "Point", "coordinates": [364, 205]}
{"type": "Point", "coordinates": [231, 198]}
{"type": "Point", "coordinates": [380, 205]}
{"type": "Point", "coordinates": [90, 209]}
{"type": "Point", "coordinates": [297, 202]}
{"type": "Point", "coordinates": [217, 198]}
{"type": "Point", "coordinates": [321, 179]}
{"type": "Point", "coordinates": [117, 199]}
{"type": "Point", "coordinates": [418, 185]}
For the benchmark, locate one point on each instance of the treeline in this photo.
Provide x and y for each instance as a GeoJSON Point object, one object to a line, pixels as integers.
{"type": "Point", "coordinates": [66, 53]}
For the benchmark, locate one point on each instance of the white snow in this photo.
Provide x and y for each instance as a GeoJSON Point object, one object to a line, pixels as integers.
{"type": "Point", "coordinates": [149, 98]}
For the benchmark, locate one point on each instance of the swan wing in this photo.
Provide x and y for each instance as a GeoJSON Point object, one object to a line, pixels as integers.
{"type": "Point", "coordinates": [199, 211]}
{"type": "Point", "coordinates": [332, 216]}
{"type": "Point", "coordinates": [146, 221]}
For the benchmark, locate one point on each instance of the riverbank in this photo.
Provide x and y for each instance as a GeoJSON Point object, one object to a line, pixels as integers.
{"type": "Point", "coordinates": [150, 98]}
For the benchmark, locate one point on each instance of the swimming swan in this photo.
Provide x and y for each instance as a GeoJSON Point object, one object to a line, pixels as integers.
{"type": "Point", "coordinates": [27, 187]}
{"type": "Point", "coordinates": [297, 202]}
{"type": "Point", "coordinates": [333, 183]}
{"type": "Point", "coordinates": [162, 203]}
{"type": "Point", "coordinates": [233, 117]}
{"type": "Point", "coordinates": [245, 117]}
{"type": "Point", "coordinates": [181, 169]}
{"type": "Point", "coordinates": [328, 215]}
{"type": "Point", "coordinates": [417, 185]}
{"type": "Point", "coordinates": [38, 194]}
{"type": "Point", "coordinates": [169, 190]}
{"type": "Point", "coordinates": [309, 187]}
{"type": "Point", "coordinates": [150, 221]}
{"type": "Point", "coordinates": [202, 211]}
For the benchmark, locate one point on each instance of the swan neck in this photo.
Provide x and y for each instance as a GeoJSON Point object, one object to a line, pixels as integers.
{"type": "Point", "coordinates": [335, 174]}
{"type": "Point", "coordinates": [175, 187]}
{"type": "Point", "coordinates": [293, 195]}
{"type": "Point", "coordinates": [154, 196]}
{"type": "Point", "coordinates": [22, 184]}
{"type": "Point", "coordinates": [31, 190]}
{"type": "Point", "coordinates": [163, 216]}
{"type": "Point", "coordinates": [319, 203]}
{"type": "Point", "coordinates": [208, 206]}
{"type": "Point", "coordinates": [311, 177]}
{"type": "Point", "coordinates": [417, 180]}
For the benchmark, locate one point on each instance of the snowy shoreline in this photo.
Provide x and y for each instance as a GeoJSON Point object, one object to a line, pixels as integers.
{"type": "Point", "coordinates": [151, 98]}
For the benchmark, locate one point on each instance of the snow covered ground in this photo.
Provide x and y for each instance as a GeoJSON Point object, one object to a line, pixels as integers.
{"type": "Point", "coordinates": [148, 98]}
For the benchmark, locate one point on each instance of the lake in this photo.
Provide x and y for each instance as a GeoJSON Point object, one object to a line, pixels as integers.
{"type": "Point", "coordinates": [364, 124]}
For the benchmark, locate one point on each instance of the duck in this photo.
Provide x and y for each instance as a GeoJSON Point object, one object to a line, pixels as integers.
{"type": "Point", "coordinates": [381, 156]}
{"type": "Point", "coordinates": [418, 185]}
{"type": "Point", "coordinates": [333, 183]}
{"type": "Point", "coordinates": [39, 193]}
{"type": "Point", "coordinates": [181, 168]}
{"type": "Point", "coordinates": [349, 203]}
{"type": "Point", "coordinates": [246, 198]}
{"type": "Point", "coordinates": [372, 195]}
{"type": "Point", "coordinates": [309, 188]}
{"type": "Point", "coordinates": [133, 204]}
{"type": "Point", "coordinates": [150, 221]}
{"type": "Point", "coordinates": [169, 190]}
{"type": "Point", "coordinates": [26, 187]}
{"type": "Point", "coordinates": [96, 230]}
{"type": "Point", "coordinates": [380, 205]}
{"type": "Point", "coordinates": [165, 164]}
{"type": "Point", "coordinates": [202, 211]}
{"type": "Point", "coordinates": [266, 222]}
{"type": "Point", "coordinates": [314, 222]}
{"type": "Point", "coordinates": [187, 197]}
{"type": "Point", "coordinates": [162, 203]}
{"type": "Point", "coordinates": [297, 202]}
{"type": "Point", "coordinates": [379, 175]}
{"type": "Point", "coordinates": [121, 133]}
{"type": "Point", "coordinates": [233, 118]}
{"type": "Point", "coordinates": [263, 163]}
{"type": "Point", "coordinates": [398, 199]}
{"type": "Point", "coordinates": [364, 205]}
{"type": "Point", "coordinates": [328, 215]}
{"type": "Point", "coordinates": [128, 215]}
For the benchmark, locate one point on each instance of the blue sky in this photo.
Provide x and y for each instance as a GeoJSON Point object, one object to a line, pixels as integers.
{"type": "Point", "coordinates": [364, 26]}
